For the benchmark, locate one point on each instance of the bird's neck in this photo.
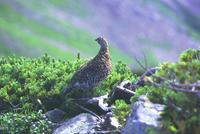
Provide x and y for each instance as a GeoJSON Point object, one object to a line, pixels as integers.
{"type": "Point", "coordinates": [104, 51]}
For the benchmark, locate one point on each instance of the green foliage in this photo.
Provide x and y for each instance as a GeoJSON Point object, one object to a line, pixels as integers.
{"type": "Point", "coordinates": [121, 111]}
{"type": "Point", "coordinates": [119, 73]}
{"type": "Point", "coordinates": [182, 114]}
{"type": "Point", "coordinates": [34, 83]}
{"type": "Point", "coordinates": [189, 63]}
{"type": "Point", "coordinates": [190, 55]}
{"type": "Point", "coordinates": [26, 123]}
{"type": "Point", "coordinates": [140, 91]}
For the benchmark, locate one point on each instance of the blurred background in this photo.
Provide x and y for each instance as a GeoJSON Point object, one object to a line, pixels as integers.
{"type": "Point", "coordinates": [157, 29]}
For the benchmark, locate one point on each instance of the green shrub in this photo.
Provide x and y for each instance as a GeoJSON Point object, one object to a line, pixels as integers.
{"type": "Point", "coordinates": [182, 114]}
{"type": "Point", "coordinates": [30, 84]}
{"type": "Point", "coordinates": [28, 81]}
{"type": "Point", "coordinates": [119, 73]}
{"type": "Point", "coordinates": [26, 123]}
{"type": "Point", "coordinates": [121, 111]}
{"type": "Point", "coordinates": [36, 83]}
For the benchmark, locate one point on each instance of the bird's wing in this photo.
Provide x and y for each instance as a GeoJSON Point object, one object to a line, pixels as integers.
{"type": "Point", "coordinates": [86, 72]}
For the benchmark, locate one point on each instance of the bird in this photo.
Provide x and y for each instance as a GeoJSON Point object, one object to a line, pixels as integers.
{"type": "Point", "coordinates": [91, 74]}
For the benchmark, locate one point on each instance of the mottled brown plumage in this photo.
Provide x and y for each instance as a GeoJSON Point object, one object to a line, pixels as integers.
{"type": "Point", "coordinates": [94, 72]}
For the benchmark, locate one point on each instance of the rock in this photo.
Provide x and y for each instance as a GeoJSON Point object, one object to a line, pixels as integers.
{"type": "Point", "coordinates": [144, 117]}
{"type": "Point", "coordinates": [55, 115]}
{"type": "Point", "coordinates": [109, 122]}
{"type": "Point", "coordinates": [122, 91]}
{"type": "Point", "coordinates": [81, 124]}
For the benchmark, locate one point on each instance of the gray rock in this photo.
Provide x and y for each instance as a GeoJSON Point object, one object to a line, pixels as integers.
{"type": "Point", "coordinates": [55, 115]}
{"type": "Point", "coordinates": [81, 124]}
{"type": "Point", "coordinates": [144, 117]}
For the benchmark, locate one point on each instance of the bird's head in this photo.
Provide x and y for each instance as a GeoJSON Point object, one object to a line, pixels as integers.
{"type": "Point", "coordinates": [102, 42]}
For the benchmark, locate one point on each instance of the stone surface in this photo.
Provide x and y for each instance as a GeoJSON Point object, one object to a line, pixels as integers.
{"type": "Point", "coordinates": [80, 124]}
{"type": "Point", "coordinates": [55, 115]}
{"type": "Point", "coordinates": [144, 117]}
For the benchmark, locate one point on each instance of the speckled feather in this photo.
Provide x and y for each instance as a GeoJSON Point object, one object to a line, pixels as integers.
{"type": "Point", "coordinates": [94, 72]}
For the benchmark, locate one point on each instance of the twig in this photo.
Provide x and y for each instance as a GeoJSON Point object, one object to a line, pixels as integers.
{"type": "Point", "coordinates": [173, 88]}
{"type": "Point", "coordinates": [104, 106]}
{"type": "Point", "coordinates": [89, 111]}
{"type": "Point", "coordinates": [178, 85]}
{"type": "Point", "coordinates": [81, 99]}
{"type": "Point", "coordinates": [145, 59]}
{"type": "Point", "coordinates": [140, 64]}
{"type": "Point", "coordinates": [141, 81]}
{"type": "Point", "coordinates": [190, 88]}
{"type": "Point", "coordinates": [14, 106]}
{"type": "Point", "coordinates": [97, 101]}
{"type": "Point", "coordinates": [125, 90]}
{"type": "Point", "coordinates": [18, 105]}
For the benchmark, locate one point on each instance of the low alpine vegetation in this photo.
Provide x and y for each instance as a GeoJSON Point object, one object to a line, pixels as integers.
{"type": "Point", "coordinates": [182, 111]}
{"type": "Point", "coordinates": [28, 85]}
{"type": "Point", "coordinates": [26, 123]}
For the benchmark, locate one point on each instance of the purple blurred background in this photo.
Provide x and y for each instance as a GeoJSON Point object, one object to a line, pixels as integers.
{"type": "Point", "coordinates": [158, 29]}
